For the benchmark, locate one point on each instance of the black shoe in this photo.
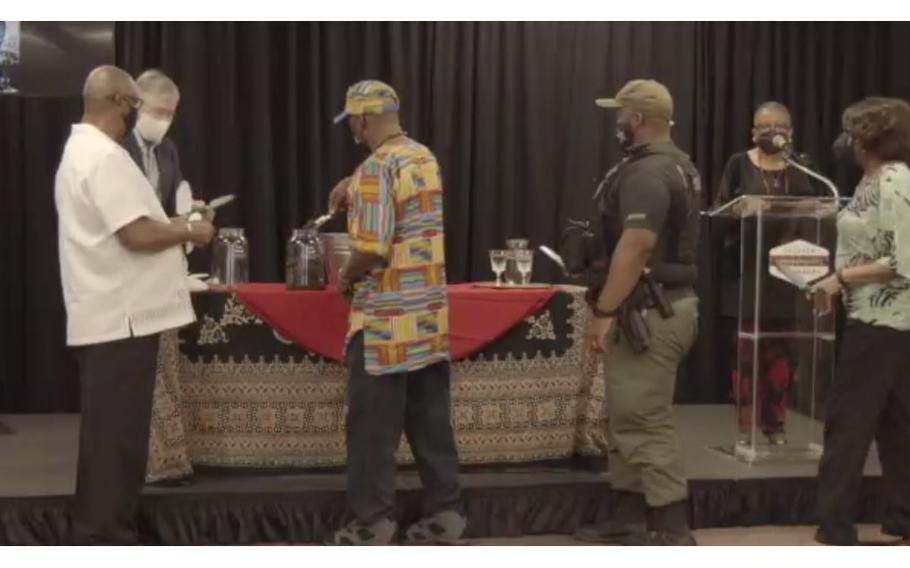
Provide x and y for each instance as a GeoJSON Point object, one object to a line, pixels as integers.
{"type": "Point", "coordinates": [901, 536]}
{"type": "Point", "coordinates": [822, 537]}
{"type": "Point", "coordinates": [660, 538]}
{"type": "Point", "coordinates": [185, 481]}
{"type": "Point", "coordinates": [667, 526]}
{"type": "Point", "coordinates": [897, 527]}
{"type": "Point", "coordinates": [837, 533]}
{"type": "Point", "coordinates": [776, 438]}
{"type": "Point", "coordinates": [627, 519]}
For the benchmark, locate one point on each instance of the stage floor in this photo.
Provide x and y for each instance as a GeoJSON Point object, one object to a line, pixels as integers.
{"type": "Point", "coordinates": [38, 463]}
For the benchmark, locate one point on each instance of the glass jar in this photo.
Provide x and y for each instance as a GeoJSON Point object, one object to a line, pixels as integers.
{"type": "Point", "coordinates": [337, 247]}
{"type": "Point", "coordinates": [305, 261]}
{"type": "Point", "coordinates": [230, 258]}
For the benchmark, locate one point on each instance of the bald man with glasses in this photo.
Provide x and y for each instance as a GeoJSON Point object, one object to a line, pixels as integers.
{"type": "Point", "coordinates": [122, 273]}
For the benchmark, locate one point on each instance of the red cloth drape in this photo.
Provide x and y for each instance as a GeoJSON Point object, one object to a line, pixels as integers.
{"type": "Point", "coordinates": [480, 316]}
{"type": "Point", "coordinates": [318, 320]}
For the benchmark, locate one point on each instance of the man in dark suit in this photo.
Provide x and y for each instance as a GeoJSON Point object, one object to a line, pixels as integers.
{"type": "Point", "coordinates": [148, 145]}
{"type": "Point", "coordinates": [156, 155]}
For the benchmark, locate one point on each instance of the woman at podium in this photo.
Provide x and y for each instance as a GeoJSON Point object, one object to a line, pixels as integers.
{"type": "Point", "coordinates": [762, 170]}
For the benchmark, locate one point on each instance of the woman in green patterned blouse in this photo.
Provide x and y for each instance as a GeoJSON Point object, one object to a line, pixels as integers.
{"type": "Point", "coordinates": [870, 397]}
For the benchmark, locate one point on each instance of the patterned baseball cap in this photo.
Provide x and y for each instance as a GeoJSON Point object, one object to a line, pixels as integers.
{"type": "Point", "coordinates": [369, 97]}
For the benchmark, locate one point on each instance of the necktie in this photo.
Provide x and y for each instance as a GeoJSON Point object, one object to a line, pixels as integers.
{"type": "Point", "coordinates": [151, 167]}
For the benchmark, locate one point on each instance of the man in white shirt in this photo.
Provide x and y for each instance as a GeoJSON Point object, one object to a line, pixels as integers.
{"type": "Point", "coordinates": [123, 284]}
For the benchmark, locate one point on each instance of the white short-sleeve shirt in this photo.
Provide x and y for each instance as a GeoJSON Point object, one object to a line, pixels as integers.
{"type": "Point", "coordinates": [111, 292]}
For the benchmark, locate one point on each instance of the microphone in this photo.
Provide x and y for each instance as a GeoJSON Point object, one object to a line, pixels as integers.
{"type": "Point", "coordinates": [782, 143]}
{"type": "Point", "coordinates": [785, 145]}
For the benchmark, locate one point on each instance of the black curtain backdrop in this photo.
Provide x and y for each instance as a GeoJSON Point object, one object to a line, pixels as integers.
{"type": "Point", "coordinates": [507, 107]}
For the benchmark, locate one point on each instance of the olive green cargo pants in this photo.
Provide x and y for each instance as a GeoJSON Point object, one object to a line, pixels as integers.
{"type": "Point", "coordinates": [645, 454]}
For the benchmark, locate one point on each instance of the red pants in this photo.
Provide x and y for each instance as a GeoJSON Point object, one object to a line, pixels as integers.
{"type": "Point", "coordinates": [772, 388]}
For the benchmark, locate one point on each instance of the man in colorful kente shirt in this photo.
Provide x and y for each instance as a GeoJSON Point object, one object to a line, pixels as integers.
{"type": "Point", "coordinates": [398, 344]}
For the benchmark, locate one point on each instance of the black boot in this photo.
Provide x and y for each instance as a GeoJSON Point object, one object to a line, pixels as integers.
{"type": "Point", "coordinates": [822, 537]}
{"type": "Point", "coordinates": [627, 519]}
{"type": "Point", "coordinates": [667, 526]}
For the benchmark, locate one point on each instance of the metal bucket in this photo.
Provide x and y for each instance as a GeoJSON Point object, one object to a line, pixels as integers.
{"type": "Point", "coordinates": [337, 248]}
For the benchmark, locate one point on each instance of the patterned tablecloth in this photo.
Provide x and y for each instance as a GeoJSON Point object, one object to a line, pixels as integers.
{"type": "Point", "coordinates": [232, 392]}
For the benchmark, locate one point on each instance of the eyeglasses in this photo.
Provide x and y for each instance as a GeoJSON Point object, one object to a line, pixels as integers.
{"type": "Point", "coordinates": [769, 127]}
{"type": "Point", "coordinates": [134, 102]}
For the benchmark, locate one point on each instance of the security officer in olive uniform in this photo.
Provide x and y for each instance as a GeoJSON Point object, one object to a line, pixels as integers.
{"type": "Point", "coordinates": [650, 207]}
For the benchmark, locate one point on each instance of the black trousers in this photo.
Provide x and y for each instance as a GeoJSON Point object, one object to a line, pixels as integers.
{"type": "Point", "coordinates": [869, 400]}
{"type": "Point", "coordinates": [380, 408]}
{"type": "Point", "coordinates": [118, 379]}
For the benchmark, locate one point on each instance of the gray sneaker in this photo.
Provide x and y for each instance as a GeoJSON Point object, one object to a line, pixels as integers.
{"type": "Point", "coordinates": [444, 527]}
{"type": "Point", "coordinates": [380, 533]}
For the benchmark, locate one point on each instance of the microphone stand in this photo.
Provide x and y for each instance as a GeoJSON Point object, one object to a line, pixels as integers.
{"type": "Point", "coordinates": [788, 156]}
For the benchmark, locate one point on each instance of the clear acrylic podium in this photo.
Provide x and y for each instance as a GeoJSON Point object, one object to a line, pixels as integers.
{"type": "Point", "coordinates": [785, 350]}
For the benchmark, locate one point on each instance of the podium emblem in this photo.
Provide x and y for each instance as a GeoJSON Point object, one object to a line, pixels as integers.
{"type": "Point", "coordinates": [799, 263]}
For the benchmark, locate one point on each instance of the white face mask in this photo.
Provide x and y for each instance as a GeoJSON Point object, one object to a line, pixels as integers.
{"type": "Point", "coordinates": [152, 129]}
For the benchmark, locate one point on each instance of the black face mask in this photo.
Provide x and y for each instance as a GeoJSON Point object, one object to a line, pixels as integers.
{"type": "Point", "coordinates": [357, 140]}
{"type": "Point", "coordinates": [625, 136]}
{"type": "Point", "coordinates": [765, 141]}
{"type": "Point", "coordinates": [129, 120]}
{"type": "Point", "coordinates": [843, 149]}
